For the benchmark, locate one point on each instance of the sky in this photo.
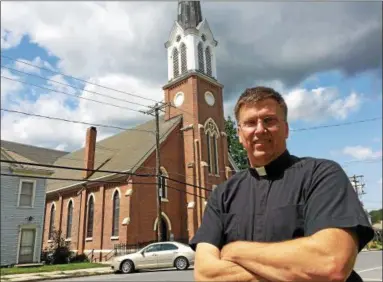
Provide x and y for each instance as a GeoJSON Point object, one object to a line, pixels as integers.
{"type": "Point", "coordinates": [324, 57]}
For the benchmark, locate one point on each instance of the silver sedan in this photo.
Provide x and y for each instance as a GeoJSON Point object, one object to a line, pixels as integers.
{"type": "Point", "coordinates": [156, 255]}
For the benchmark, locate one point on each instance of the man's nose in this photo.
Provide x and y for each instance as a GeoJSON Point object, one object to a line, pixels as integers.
{"type": "Point", "coordinates": [260, 127]}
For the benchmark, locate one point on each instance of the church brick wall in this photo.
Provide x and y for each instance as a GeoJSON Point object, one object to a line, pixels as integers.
{"type": "Point", "coordinates": [141, 206]}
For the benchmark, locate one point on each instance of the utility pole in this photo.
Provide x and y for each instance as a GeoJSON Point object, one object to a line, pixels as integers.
{"type": "Point", "coordinates": [358, 184]}
{"type": "Point", "coordinates": [155, 111]}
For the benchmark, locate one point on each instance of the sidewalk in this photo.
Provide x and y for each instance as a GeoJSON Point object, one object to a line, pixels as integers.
{"type": "Point", "coordinates": [56, 274]}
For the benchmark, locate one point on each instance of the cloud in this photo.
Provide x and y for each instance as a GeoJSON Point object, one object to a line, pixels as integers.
{"type": "Point", "coordinates": [262, 41]}
{"type": "Point", "coordinates": [319, 104]}
{"type": "Point", "coordinates": [311, 105]}
{"type": "Point", "coordinates": [69, 136]}
{"type": "Point", "coordinates": [8, 87]}
{"type": "Point", "coordinates": [361, 153]}
{"type": "Point", "coordinates": [380, 182]}
{"type": "Point", "coordinates": [29, 66]}
{"type": "Point", "coordinates": [121, 45]}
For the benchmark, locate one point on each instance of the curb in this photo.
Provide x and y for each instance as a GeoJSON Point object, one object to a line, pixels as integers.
{"type": "Point", "coordinates": [80, 274]}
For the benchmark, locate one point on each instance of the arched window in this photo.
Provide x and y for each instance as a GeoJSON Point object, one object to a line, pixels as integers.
{"type": "Point", "coordinates": [176, 64]}
{"type": "Point", "coordinates": [212, 134]}
{"type": "Point", "coordinates": [52, 221]}
{"type": "Point", "coordinates": [89, 228]}
{"type": "Point", "coordinates": [116, 213]}
{"type": "Point", "coordinates": [184, 66]}
{"type": "Point", "coordinates": [69, 219]}
{"type": "Point", "coordinates": [163, 184]}
{"type": "Point", "coordinates": [208, 61]}
{"type": "Point", "coordinates": [201, 61]}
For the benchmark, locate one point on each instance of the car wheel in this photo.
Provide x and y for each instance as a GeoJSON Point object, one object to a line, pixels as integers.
{"type": "Point", "coordinates": [127, 266]}
{"type": "Point", "coordinates": [181, 263]}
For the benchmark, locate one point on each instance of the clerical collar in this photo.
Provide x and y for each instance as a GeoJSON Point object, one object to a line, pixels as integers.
{"type": "Point", "coordinates": [274, 168]}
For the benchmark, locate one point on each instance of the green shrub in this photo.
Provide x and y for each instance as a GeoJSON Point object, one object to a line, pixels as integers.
{"type": "Point", "coordinates": [79, 258]}
{"type": "Point", "coordinates": [58, 251]}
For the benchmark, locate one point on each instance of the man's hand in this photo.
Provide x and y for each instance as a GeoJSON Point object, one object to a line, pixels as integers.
{"type": "Point", "coordinates": [328, 255]}
{"type": "Point", "coordinates": [208, 266]}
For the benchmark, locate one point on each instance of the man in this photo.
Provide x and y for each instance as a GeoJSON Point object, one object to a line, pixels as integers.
{"type": "Point", "coordinates": [284, 219]}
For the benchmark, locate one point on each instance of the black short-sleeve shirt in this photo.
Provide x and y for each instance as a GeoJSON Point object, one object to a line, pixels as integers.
{"type": "Point", "coordinates": [292, 197]}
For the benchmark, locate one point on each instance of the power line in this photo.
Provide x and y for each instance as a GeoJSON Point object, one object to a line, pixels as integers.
{"type": "Point", "coordinates": [65, 84]}
{"type": "Point", "coordinates": [335, 125]}
{"type": "Point", "coordinates": [324, 126]}
{"type": "Point", "coordinates": [78, 79]}
{"type": "Point", "coordinates": [188, 184]}
{"type": "Point", "coordinates": [92, 181]}
{"type": "Point", "coordinates": [76, 168]}
{"type": "Point", "coordinates": [69, 94]}
{"type": "Point", "coordinates": [100, 170]}
{"type": "Point", "coordinates": [75, 121]}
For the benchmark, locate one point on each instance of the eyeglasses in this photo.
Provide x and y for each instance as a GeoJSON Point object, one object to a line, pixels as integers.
{"type": "Point", "coordinates": [269, 122]}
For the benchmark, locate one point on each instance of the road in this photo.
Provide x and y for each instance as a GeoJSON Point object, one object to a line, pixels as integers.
{"type": "Point", "coordinates": [368, 265]}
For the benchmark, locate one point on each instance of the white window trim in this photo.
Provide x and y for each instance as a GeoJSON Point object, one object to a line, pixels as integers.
{"type": "Point", "coordinates": [54, 219]}
{"type": "Point", "coordinates": [87, 215]}
{"type": "Point", "coordinates": [67, 210]}
{"type": "Point", "coordinates": [213, 134]}
{"type": "Point", "coordinates": [33, 193]}
{"type": "Point", "coordinates": [27, 226]}
{"type": "Point", "coordinates": [116, 190]}
{"type": "Point", "coordinates": [216, 169]}
{"type": "Point", "coordinates": [165, 173]}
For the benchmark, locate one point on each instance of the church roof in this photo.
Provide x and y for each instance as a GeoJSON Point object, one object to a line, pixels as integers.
{"type": "Point", "coordinates": [125, 151]}
{"type": "Point", "coordinates": [32, 153]}
{"type": "Point", "coordinates": [189, 14]}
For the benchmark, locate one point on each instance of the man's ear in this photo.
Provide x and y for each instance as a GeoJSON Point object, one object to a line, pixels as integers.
{"type": "Point", "coordinates": [239, 135]}
{"type": "Point", "coordinates": [287, 130]}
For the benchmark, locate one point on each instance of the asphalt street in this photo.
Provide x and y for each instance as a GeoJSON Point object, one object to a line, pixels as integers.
{"type": "Point", "coordinates": [368, 265]}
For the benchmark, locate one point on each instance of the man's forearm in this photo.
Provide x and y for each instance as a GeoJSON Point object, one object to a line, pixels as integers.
{"type": "Point", "coordinates": [221, 270]}
{"type": "Point", "coordinates": [301, 259]}
{"type": "Point", "coordinates": [209, 267]}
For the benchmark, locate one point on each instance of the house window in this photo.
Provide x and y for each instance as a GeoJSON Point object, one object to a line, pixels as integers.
{"type": "Point", "coordinates": [212, 134]}
{"type": "Point", "coordinates": [176, 64]}
{"type": "Point", "coordinates": [69, 219]}
{"type": "Point", "coordinates": [52, 221]}
{"type": "Point", "coordinates": [26, 193]}
{"type": "Point", "coordinates": [184, 66]}
{"type": "Point", "coordinates": [201, 62]}
{"type": "Point", "coordinates": [89, 229]}
{"type": "Point", "coordinates": [208, 61]}
{"type": "Point", "coordinates": [116, 213]}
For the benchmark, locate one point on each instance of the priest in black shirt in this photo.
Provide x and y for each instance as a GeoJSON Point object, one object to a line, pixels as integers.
{"type": "Point", "coordinates": [284, 219]}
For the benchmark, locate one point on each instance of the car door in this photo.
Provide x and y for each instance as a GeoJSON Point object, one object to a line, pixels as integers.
{"type": "Point", "coordinates": [167, 254]}
{"type": "Point", "coordinates": [149, 256]}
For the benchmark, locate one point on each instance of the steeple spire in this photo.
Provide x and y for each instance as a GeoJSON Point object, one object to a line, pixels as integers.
{"type": "Point", "coordinates": [189, 14]}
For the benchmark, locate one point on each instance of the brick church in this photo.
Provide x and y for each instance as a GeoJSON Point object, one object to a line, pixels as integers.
{"type": "Point", "coordinates": [122, 208]}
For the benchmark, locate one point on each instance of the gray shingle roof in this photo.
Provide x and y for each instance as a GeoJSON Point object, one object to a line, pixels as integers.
{"type": "Point", "coordinates": [121, 152]}
{"type": "Point", "coordinates": [33, 153]}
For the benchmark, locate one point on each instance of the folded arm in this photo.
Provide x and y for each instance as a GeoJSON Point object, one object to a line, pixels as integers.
{"type": "Point", "coordinates": [209, 267]}
{"type": "Point", "coordinates": [328, 255]}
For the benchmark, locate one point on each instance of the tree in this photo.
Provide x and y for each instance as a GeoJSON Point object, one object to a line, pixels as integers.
{"type": "Point", "coordinates": [376, 216]}
{"type": "Point", "coordinates": [235, 148]}
{"type": "Point", "coordinates": [58, 251]}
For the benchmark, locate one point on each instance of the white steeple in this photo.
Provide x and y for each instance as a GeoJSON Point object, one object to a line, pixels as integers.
{"type": "Point", "coordinates": [191, 45]}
